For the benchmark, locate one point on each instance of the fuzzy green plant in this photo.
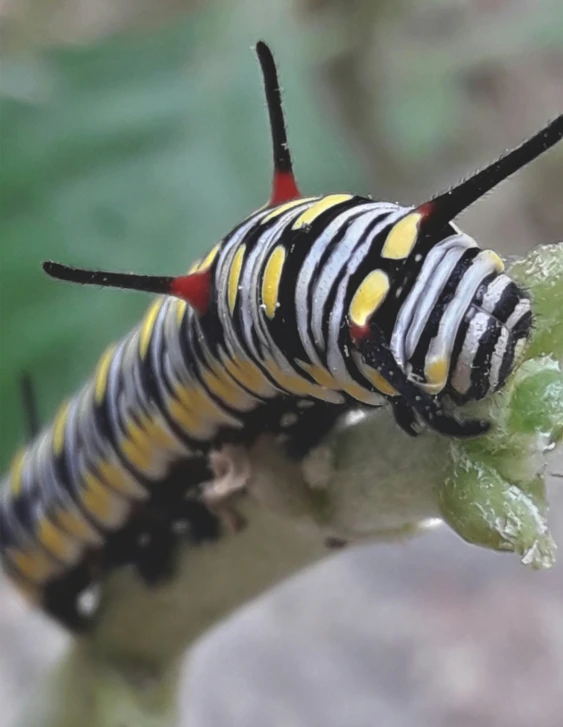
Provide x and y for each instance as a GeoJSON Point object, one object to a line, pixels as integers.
{"type": "Point", "coordinates": [366, 481]}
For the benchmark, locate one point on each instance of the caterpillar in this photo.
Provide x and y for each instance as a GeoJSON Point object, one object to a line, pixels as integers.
{"type": "Point", "coordinates": [309, 307]}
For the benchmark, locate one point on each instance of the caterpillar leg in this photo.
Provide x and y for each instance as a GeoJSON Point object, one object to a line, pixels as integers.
{"type": "Point", "coordinates": [405, 417]}
{"type": "Point", "coordinates": [173, 516]}
{"type": "Point", "coordinates": [65, 600]}
{"type": "Point", "coordinates": [156, 551]}
{"type": "Point", "coordinates": [306, 428]}
{"type": "Point", "coordinates": [377, 354]}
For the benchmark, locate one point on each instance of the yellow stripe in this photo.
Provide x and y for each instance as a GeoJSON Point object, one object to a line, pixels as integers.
{"type": "Point", "coordinates": [16, 471]}
{"type": "Point", "coordinates": [138, 435]}
{"type": "Point", "coordinates": [321, 375]}
{"type": "Point", "coordinates": [75, 524]}
{"type": "Point", "coordinates": [284, 208]}
{"type": "Point", "coordinates": [358, 392]}
{"type": "Point", "coordinates": [148, 326]}
{"type": "Point", "coordinates": [158, 432]}
{"type": "Point", "coordinates": [101, 376]}
{"type": "Point", "coordinates": [291, 382]}
{"type": "Point", "coordinates": [139, 457]}
{"type": "Point", "coordinates": [210, 257]}
{"type": "Point", "coordinates": [324, 204]}
{"type": "Point", "coordinates": [187, 420]}
{"type": "Point", "coordinates": [249, 375]}
{"type": "Point", "coordinates": [53, 540]}
{"type": "Point", "coordinates": [368, 297]}
{"type": "Point", "coordinates": [194, 398]}
{"type": "Point", "coordinates": [181, 306]}
{"type": "Point", "coordinates": [234, 277]}
{"type": "Point", "coordinates": [227, 392]}
{"type": "Point", "coordinates": [244, 399]}
{"type": "Point", "coordinates": [328, 381]}
{"type": "Point", "coordinates": [119, 479]}
{"type": "Point", "coordinates": [34, 565]}
{"type": "Point", "coordinates": [271, 280]}
{"type": "Point", "coordinates": [98, 500]}
{"type": "Point", "coordinates": [380, 383]}
{"type": "Point", "coordinates": [402, 237]}
{"type": "Point", "coordinates": [59, 424]}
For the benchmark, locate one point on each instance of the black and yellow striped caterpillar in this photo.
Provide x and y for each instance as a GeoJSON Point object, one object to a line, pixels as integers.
{"type": "Point", "coordinates": [309, 307]}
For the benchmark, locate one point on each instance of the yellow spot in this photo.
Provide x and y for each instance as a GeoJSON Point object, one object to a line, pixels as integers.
{"type": "Point", "coordinates": [436, 372]}
{"type": "Point", "coordinates": [271, 280]}
{"type": "Point", "coordinates": [148, 326]}
{"type": "Point", "coordinates": [101, 375]}
{"type": "Point", "coordinates": [34, 565]}
{"type": "Point", "coordinates": [53, 540]}
{"type": "Point", "coordinates": [368, 297]}
{"type": "Point", "coordinates": [284, 208]}
{"type": "Point", "coordinates": [208, 260]}
{"type": "Point", "coordinates": [402, 237]}
{"type": "Point", "coordinates": [234, 277]}
{"type": "Point", "coordinates": [324, 204]}
{"type": "Point", "coordinates": [380, 383]}
{"type": "Point", "coordinates": [194, 266]}
{"type": "Point", "coordinates": [120, 480]}
{"type": "Point", "coordinates": [59, 424]}
{"type": "Point", "coordinates": [496, 261]}
{"type": "Point", "coordinates": [16, 471]}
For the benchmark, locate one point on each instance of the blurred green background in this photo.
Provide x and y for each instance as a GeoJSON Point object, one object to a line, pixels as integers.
{"type": "Point", "coordinates": [133, 136]}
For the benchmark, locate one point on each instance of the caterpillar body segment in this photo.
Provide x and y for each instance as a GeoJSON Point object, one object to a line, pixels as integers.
{"type": "Point", "coordinates": [309, 307]}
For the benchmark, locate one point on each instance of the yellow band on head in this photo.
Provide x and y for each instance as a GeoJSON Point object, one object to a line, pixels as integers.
{"type": "Point", "coordinates": [368, 297]}
{"type": "Point", "coordinates": [324, 204]}
{"type": "Point", "coordinates": [402, 237]}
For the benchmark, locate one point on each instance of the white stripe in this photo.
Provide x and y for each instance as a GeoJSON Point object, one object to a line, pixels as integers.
{"type": "Point", "coordinates": [497, 358]}
{"type": "Point", "coordinates": [335, 360]}
{"type": "Point", "coordinates": [482, 266]}
{"type": "Point", "coordinates": [366, 213]}
{"type": "Point", "coordinates": [433, 276]}
{"type": "Point", "coordinates": [519, 312]}
{"type": "Point", "coordinates": [494, 292]}
{"type": "Point", "coordinates": [461, 378]}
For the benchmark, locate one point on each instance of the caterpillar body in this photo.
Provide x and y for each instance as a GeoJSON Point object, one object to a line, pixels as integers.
{"type": "Point", "coordinates": [309, 307]}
